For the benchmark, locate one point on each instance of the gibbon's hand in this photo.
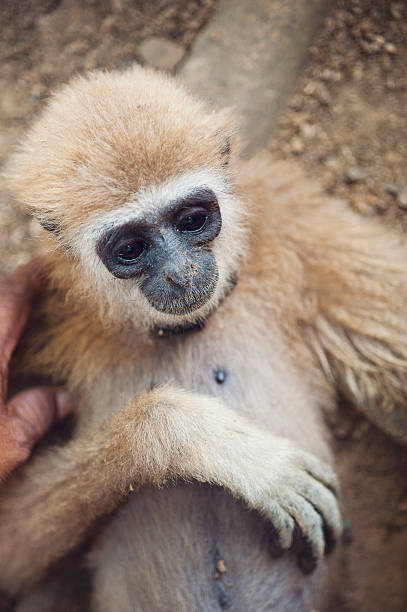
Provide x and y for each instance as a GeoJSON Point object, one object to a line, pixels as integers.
{"type": "Point", "coordinates": [200, 437]}
{"type": "Point", "coordinates": [27, 416]}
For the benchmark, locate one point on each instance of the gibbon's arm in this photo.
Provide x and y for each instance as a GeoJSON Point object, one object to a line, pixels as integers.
{"type": "Point", "coordinates": [356, 269]}
{"type": "Point", "coordinates": [47, 509]}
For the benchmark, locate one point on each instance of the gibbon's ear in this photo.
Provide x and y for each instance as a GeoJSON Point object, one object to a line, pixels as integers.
{"type": "Point", "coordinates": [225, 150]}
{"type": "Point", "coordinates": [48, 223]}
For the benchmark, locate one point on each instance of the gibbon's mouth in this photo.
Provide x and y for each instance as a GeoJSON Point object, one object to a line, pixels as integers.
{"type": "Point", "coordinates": [189, 302]}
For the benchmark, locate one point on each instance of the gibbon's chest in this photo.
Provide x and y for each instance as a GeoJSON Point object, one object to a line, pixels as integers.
{"type": "Point", "coordinates": [243, 365]}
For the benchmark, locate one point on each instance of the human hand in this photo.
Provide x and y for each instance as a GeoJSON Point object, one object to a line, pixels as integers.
{"type": "Point", "coordinates": [27, 416]}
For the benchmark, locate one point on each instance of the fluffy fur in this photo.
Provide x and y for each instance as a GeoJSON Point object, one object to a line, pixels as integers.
{"type": "Point", "coordinates": [319, 306]}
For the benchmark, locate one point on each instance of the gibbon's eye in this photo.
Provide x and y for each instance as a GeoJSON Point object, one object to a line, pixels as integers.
{"type": "Point", "coordinates": [131, 251]}
{"type": "Point", "coordinates": [193, 223]}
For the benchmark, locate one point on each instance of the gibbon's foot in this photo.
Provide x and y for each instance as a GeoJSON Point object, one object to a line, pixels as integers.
{"type": "Point", "coordinates": [302, 505]}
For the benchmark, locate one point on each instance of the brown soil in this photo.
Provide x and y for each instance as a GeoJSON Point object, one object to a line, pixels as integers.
{"type": "Point", "coordinates": [346, 125]}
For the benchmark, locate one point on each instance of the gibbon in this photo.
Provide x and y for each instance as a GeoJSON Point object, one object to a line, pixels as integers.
{"type": "Point", "coordinates": [203, 312]}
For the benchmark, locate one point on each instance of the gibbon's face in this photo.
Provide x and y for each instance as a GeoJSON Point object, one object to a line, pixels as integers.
{"type": "Point", "coordinates": [168, 251]}
{"type": "Point", "coordinates": [131, 175]}
{"type": "Point", "coordinates": [171, 253]}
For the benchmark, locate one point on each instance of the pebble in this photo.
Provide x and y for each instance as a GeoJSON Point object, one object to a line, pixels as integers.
{"type": "Point", "coordinates": [393, 188]}
{"type": "Point", "coordinates": [402, 197]}
{"type": "Point", "coordinates": [308, 130]}
{"type": "Point", "coordinates": [297, 145]}
{"type": "Point", "coordinates": [161, 53]}
{"type": "Point", "coordinates": [395, 10]}
{"type": "Point", "coordinates": [333, 163]}
{"type": "Point", "coordinates": [390, 48]}
{"type": "Point", "coordinates": [363, 206]}
{"type": "Point", "coordinates": [399, 191]}
{"type": "Point", "coordinates": [319, 91]}
{"type": "Point", "coordinates": [393, 157]}
{"type": "Point", "coordinates": [355, 174]}
{"type": "Point", "coordinates": [331, 75]}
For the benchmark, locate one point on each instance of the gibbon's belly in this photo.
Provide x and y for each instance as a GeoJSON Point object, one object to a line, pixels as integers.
{"type": "Point", "coordinates": [245, 370]}
{"type": "Point", "coordinates": [162, 548]}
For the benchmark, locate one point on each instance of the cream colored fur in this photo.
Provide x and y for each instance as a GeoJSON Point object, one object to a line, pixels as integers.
{"type": "Point", "coordinates": [313, 298]}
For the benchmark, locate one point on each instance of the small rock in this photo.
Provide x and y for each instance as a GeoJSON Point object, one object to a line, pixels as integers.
{"type": "Point", "coordinates": [393, 188]}
{"type": "Point", "coordinates": [319, 91]}
{"type": "Point", "coordinates": [308, 130]}
{"type": "Point", "coordinates": [402, 197]}
{"type": "Point", "coordinates": [395, 10]}
{"type": "Point", "coordinates": [390, 48]}
{"type": "Point", "coordinates": [331, 75]}
{"type": "Point", "coordinates": [370, 47]}
{"type": "Point", "coordinates": [355, 174]}
{"type": "Point", "coordinates": [296, 103]}
{"type": "Point", "coordinates": [379, 39]}
{"type": "Point", "coordinates": [393, 157]}
{"type": "Point", "coordinates": [161, 53]}
{"type": "Point", "coordinates": [297, 145]}
{"type": "Point", "coordinates": [333, 163]}
{"type": "Point", "coordinates": [363, 206]}
{"type": "Point", "coordinates": [382, 205]}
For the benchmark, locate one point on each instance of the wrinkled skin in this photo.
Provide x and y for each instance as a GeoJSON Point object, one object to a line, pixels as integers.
{"type": "Point", "coordinates": [27, 416]}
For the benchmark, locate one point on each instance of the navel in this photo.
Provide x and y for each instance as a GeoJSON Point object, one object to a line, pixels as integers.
{"type": "Point", "coordinates": [220, 376]}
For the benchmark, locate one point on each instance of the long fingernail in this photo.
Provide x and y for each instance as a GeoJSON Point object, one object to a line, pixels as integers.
{"type": "Point", "coordinates": [275, 549]}
{"type": "Point", "coordinates": [307, 563]}
{"type": "Point", "coordinates": [63, 403]}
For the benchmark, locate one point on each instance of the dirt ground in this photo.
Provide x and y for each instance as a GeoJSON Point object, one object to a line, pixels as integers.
{"type": "Point", "coordinates": [346, 125]}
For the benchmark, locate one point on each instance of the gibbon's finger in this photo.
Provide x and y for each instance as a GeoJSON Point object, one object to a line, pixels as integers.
{"type": "Point", "coordinates": [33, 411]}
{"type": "Point", "coordinates": [325, 502]}
{"type": "Point", "coordinates": [16, 295]}
{"type": "Point", "coordinates": [310, 524]}
{"type": "Point", "coordinates": [282, 529]}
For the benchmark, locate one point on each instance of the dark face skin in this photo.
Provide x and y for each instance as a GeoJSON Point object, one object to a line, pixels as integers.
{"type": "Point", "coordinates": [169, 253]}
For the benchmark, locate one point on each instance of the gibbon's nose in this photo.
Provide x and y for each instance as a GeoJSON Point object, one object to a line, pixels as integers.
{"type": "Point", "coordinates": [180, 278]}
